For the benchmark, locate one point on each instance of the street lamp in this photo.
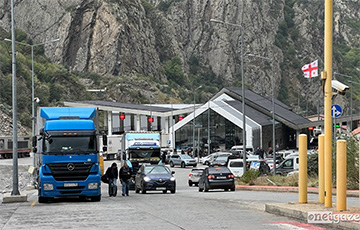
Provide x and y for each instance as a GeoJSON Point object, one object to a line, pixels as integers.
{"type": "Point", "coordinates": [273, 108]}
{"type": "Point", "coordinates": [193, 148]}
{"type": "Point", "coordinates": [33, 99]}
{"type": "Point", "coordinates": [351, 81]}
{"type": "Point", "coordinates": [242, 84]}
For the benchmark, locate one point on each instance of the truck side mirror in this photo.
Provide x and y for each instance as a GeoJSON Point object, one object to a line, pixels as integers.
{"type": "Point", "coordinates": [104, 140]}
{"type": "Point", "coordinates": [34, 144]}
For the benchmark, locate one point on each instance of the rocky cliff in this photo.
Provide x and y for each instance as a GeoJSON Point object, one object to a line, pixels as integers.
{"type": "Point", "coordinates": [118, 39]}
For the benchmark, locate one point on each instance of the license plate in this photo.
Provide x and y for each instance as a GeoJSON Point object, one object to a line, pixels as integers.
{"type": "Point", "coordinates": [221, 177]}
{"type": "Point", "coordinates": [160, 188]}
{"type": "Point", "coordinates": [70, 184]}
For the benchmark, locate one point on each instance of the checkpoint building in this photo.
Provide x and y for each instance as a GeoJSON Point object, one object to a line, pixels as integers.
{"type": "Point", "coordinates": [217, 121]}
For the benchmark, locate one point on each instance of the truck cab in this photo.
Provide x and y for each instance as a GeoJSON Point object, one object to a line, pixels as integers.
{"type": "Point", "coordinates": [69, 163]}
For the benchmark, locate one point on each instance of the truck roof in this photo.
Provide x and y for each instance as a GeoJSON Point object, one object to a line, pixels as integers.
{"type": "Point", "coordinates": [56, 113]}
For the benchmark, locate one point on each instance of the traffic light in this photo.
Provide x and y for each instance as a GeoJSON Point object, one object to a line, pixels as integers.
{"type": "Point", "coordinates": [150, 119]}
{"type": "Point", "coordinates": [122, 116]}
{"type": "Point", "coordinates": [336, 126]}
{"type": "Point", "coordinates": [310, 128]}
{"type": "Point", "coordinates": [359, 122]}
{"type": "Point", "coordinates": [181, 118]}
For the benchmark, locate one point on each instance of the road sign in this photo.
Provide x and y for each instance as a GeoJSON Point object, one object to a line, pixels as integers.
{"type": "Point", "coordinates": [336, 111]}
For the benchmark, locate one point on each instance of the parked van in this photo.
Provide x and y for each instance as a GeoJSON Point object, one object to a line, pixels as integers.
{"type": "Point", "coordinates": [236, 167]}
{"type": "Point", "coordinates": [291, 163]}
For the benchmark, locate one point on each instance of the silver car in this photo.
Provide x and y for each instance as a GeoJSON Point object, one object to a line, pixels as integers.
{"type": "Point", "coordinates": [183, 160]}
{"type": "Point", "coordinates": [194, 176]}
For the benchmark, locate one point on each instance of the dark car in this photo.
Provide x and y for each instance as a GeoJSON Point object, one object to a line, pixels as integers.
{"type": "Point", "coordinates": [194, 176]}
{"type": "Point", "coordinates": [216, 178]}
{"type": "Point", "coordinates": [154, 178]}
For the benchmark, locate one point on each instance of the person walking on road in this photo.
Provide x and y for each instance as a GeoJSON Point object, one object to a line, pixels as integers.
{"type": "Point", "coordinates": [112, 176]}
{"type": "Point", "coordinates": [125, 175]}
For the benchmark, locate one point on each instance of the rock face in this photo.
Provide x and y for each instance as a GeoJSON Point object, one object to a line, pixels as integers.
{"type": "Point", "coordinates": [128, 37]}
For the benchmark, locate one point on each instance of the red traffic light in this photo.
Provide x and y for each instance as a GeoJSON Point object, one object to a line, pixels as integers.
{"type": "Point", "coordinates": [180, 118]}
{"type": "Point", "coordinates": [122, 116]}
{"type": "Point", "coordinates": [359, 122]}
{"type": "Point", "coordinates": [311, 128]}
{"type": "Point", "coordinates": [150, 119]}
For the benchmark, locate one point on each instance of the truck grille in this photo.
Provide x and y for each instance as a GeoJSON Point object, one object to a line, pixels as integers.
{"type": "Point", "coordinates": [70, 171]}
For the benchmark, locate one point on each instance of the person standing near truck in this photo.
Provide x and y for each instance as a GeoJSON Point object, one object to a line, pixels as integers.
{"type": "Point", "coordinates": [125, 175]}
{"type": "Point", "coordinates": [112, 176]}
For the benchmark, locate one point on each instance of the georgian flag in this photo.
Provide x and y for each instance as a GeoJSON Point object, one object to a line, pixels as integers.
{"type": "Point", "coordinates": [310, 70]}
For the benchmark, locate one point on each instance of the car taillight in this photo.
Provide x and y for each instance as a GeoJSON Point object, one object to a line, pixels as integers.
{"type": "Point", "coordinates": [190, 174]}
{"type": "Point", "coordinates": [211, 177]}
{"type": "Point", "coordinates": [231, 176]}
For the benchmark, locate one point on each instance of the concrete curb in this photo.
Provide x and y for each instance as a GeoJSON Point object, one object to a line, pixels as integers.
{"type": "Point", "coordinates": [312, 190]}
{"type": "Point", "coordinates": [300, 212]}
{"type": "Point", "coordinates": [8, 198]}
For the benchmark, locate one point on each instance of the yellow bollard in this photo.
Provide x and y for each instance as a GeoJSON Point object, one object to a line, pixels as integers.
{"type": "Point", "coordinates": [101, 163]}
{"type": "Point", "coordinates": [302, 168]}
{"type": "Point", "coordinates": [341, 175]}
{"type": "Point", "coordinates": [321, 170]}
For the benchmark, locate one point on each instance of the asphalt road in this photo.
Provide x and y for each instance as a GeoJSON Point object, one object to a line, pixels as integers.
{"type": "Point", "coordinates": [186, 209]}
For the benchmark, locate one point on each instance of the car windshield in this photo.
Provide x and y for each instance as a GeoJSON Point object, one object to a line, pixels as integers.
{"type": "Point", "coordinates": [219, 170]}
{"type": "Point", "coordinates": [221, 158]}
{"type": "Point", "coordinates": [159, 170]}
{"type": "Point", "coordinates": [186, 157]}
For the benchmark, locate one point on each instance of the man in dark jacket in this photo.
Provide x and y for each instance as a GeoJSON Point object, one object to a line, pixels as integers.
{"type": "Point", "coordinates": [112, 176]}
{"type": "Point", "coordinates": [125, 175]}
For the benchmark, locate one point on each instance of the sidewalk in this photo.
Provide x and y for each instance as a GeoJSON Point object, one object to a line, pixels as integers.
{"type": "Point", "coordinates": [313, 190]}
{"type": "Point", "coordinates": [300, 211]}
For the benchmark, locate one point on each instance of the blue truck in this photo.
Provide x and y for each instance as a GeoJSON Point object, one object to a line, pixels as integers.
{"type": "Point", "coordinates": [69, 154]}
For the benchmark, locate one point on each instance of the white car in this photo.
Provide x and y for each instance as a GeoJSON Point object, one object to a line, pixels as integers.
{"type": "Point", "coordinates": [208, 159]}
{"type": "Point", "coordinates": [236, 167]}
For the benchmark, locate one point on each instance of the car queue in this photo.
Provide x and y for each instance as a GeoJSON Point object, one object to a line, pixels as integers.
{"type": "Point", "coordinates": [219, 171]}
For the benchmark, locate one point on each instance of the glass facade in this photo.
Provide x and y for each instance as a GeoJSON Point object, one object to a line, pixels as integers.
{"type": "Point", "coordinates": [223, 133]}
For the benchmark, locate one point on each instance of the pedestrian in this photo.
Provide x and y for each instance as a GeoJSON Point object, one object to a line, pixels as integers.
{"type": "Point", "coordinates": [125, 175]}
{"type": "Point", "coordinates": [112, 176]}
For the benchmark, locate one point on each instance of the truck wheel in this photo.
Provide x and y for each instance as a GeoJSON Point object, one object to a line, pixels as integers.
{"type": "Point", "coordinates": [171, 164]}
{"type": "Point", "coordinates": [96, 198]}
{"type": "Point", "coordinates": [173, 191]}
{"type": "Point", "coordinates": [182, 165]}
{"type": "Point", "coordinates": [190, 183]}
{"type": "Point", "coordinates": [42, 199]}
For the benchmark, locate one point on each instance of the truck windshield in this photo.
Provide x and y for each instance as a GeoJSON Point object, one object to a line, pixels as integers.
{"type": "Point", "coordinates": [70, 145]}
{"type": "Point", "coordinates": [144, 154]}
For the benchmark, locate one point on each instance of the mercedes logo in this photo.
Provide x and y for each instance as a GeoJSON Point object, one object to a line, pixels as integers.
{"type": "Point", "coordinates": [160, 180]}
{"type": "Point", "coordinates": [70, 166]}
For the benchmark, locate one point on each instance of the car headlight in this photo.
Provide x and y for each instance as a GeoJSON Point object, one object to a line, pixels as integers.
{"type": "Point", "coordinates": [48, 187]}
{"type": "Point", "coordinates": [172, 178]}
{"type": "Point", "coordinates": [147, 179]}
{"type": "Point", "coordinates": [93, 185]}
